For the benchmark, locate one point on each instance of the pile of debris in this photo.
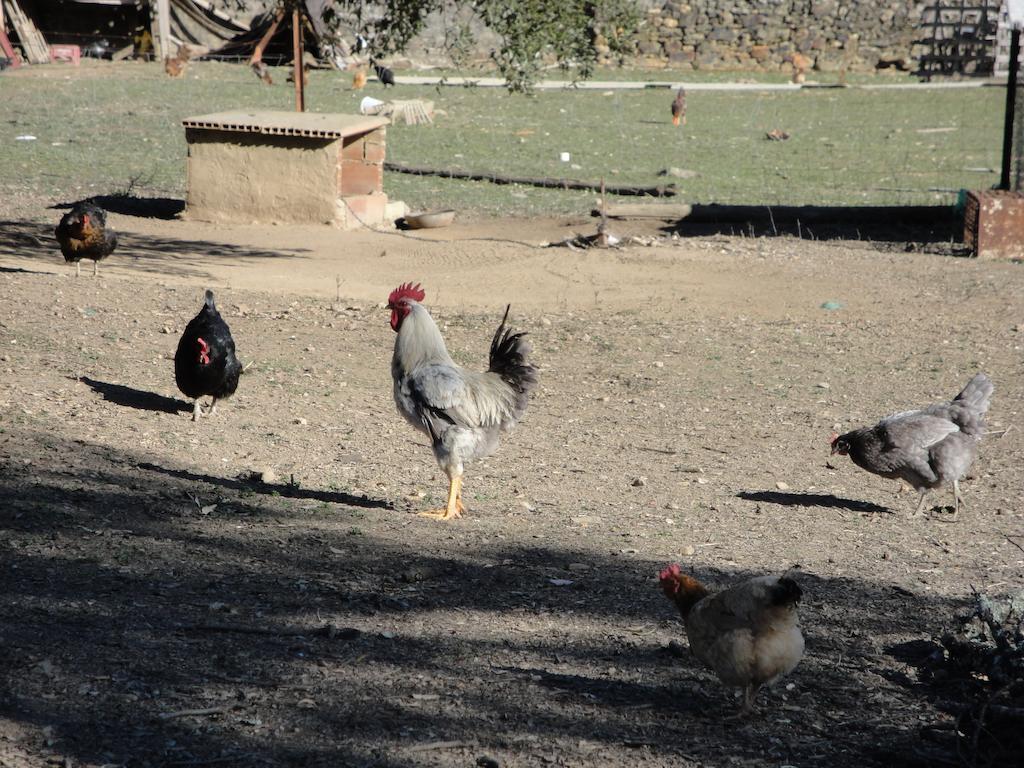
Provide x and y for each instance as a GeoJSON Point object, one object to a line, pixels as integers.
{"type": "Point", "coordinates": [983, 664]}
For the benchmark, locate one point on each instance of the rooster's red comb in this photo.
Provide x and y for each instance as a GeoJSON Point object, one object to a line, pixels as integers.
{"type": "Point", "coordinates": [669, 573]}
{"type": "Point", "coordinates": [407, 290]}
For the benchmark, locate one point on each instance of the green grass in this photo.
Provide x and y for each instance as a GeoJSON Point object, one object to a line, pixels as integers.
{"type": "Point", "coordinates": [102, 125]}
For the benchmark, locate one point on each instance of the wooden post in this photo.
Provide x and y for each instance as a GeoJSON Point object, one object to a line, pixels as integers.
{"type": "Point", "coordinates": [300, 91]}
{"type": "Point", "coordinates": [163, 22]}
{"type": "Point", "coordinates": [1011, 100]}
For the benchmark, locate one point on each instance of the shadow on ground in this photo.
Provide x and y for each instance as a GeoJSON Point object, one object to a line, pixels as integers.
{"type": "Point", "coordinates": [130, 397]}
{"type": "Point", "coordinates": [130, 205]}
{"type": "Point", "coordinates": [936, 227]}
{"type": "Point", "coordinates": [162, 616]}
{"type": "Point", "coordinates": [826, 500]}
{"type": "Point", "coordinates": [159, 255]}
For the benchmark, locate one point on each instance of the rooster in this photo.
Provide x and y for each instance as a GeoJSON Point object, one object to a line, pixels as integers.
{"type": "Point", "coordinates": [749, 634]}
{"type": "Point", "coordinates": [679, 108]}
{"type": "Point", "coordinates": [385, 75]}
{"type": "Point", "coordinates": [83, 234]}
{"type": "Point", "coordinates": [205, 363]}
{"type": "Point", "coordinates": [926, 448]}
{"type": "Point", "coordinates": [463, 412]}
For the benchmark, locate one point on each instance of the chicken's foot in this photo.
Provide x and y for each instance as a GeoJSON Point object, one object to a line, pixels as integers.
{"type": "Point", "coordinates": [78, 269]}
{"type": "Point", "coordinates": [957, 498]}
{"type": "Point", "coordinates": [920, 504]}
{"type": "Point", "coordinates": [454, 508]}
{"type": "Point", "coordinates": [748, 707]}
{"type": "Point", "coordinates": [95, 269]}
{"type": "Point", "coordinates": [213, 407]}
{"type": "Point", "coordinates": [197, 410]}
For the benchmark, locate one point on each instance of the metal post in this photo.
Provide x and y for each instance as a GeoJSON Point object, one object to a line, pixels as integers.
{"type": "Point", "coordinates": [1011, 99]}
{"type": "Point", "coordinates": [300, 94]}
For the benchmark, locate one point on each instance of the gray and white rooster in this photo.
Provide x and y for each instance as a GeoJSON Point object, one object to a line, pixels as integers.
{"type": "Point", "coordinates": [926, 448]}
{"type": "Point", "coordinates": [463, 412]}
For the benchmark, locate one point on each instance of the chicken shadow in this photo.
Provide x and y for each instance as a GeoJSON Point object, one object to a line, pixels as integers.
{"type": "Point", "coordinates": [130, 397]}
{"type": "Point", "coordinates": [253, 484]}
{"type": "Point", "coordinates": [812, 500]}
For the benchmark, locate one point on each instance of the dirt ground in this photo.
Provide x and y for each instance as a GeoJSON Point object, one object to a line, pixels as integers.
{"type": "Point", "coordinates": [165, 606]}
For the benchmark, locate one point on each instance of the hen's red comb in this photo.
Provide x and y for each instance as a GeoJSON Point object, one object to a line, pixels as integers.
{"type": "Point", "coordinates": [407, 290]}
{"type": "Point", "coordinates": [669, 573]}
{"type": "Point", "coordinates": [832, 438]}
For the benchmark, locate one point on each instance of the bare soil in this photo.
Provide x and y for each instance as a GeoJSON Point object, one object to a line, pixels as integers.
{"type": "Point", "coordinates": [256, 588]}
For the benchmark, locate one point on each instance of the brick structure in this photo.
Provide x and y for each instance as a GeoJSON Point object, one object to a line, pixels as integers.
{"type": "Point", "coordinates": [994, 224]}
{"type": "Point", "coordinates": [287, 167]}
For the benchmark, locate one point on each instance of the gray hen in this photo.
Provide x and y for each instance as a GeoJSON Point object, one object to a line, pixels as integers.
{"type": "Point", "coordinates": [463, 412]}
{"type": "Point", "coordinates": [926, 448]}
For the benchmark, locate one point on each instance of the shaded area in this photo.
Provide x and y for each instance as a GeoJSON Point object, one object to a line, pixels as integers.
{"type": "Point", "coordinates": [159, 616]}
{"type": "Point", "coordinates": [812, 500]}
{"type": "Point", "coordinates": [130, 397]}
{"type": "Point", "coordinates": [131, 205]}
{"type": "Point", "coordinates": [149, 253]}
{"type": "Point", "coordinates": [918, 224]}
{"type": "Point", "coordinates": [143, 207]}
{"type": "Point", "coordinates": [255, 485]}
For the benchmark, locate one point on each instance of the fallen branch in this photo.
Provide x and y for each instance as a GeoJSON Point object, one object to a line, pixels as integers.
{"type": "Point", "coordinates": [668, 190]}
{"type": "Point", "coordinates": [998, 711]}
{"type": "Point", "coordinates": [327, 630]}
{"type": "Point", "coordinates": [432, 745]}
{"type": "Point", "coordinates": [194, 712]}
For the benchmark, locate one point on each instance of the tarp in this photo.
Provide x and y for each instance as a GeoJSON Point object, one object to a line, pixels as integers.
{"type": "Point", "coordinates": [197, 23]}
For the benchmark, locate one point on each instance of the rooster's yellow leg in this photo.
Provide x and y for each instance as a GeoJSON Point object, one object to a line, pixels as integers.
{"type": "Point", "coordinates": [454, 508]}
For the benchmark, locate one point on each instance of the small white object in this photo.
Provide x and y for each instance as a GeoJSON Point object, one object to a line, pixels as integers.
{"type": "Point", "coordinates": [565, 157]}
{"type": "Point", "coordinates": [370, 105]}
{"type": "Point", "coordinates": [25, 137]}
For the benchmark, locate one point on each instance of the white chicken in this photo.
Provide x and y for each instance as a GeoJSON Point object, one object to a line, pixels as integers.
{"type": "Point", "coordinates": [463, 412]}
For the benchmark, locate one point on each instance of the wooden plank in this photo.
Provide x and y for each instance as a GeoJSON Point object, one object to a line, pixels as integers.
{"type": "Point", "coordinates": [32, 41]}
{"type": "Point", "coordinates": [163, 21]}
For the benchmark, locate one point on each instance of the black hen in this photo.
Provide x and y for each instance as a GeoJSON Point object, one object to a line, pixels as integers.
{"type": "Point", "coordinates": [385, 75]}
{"type": "Point", "coordinates": [83, 234]}
{"type": "Point", "coordinates": [205, 363]}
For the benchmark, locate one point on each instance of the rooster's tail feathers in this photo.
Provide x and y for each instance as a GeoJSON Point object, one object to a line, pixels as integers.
{"type": "Point", "coordinates": [508, 359]}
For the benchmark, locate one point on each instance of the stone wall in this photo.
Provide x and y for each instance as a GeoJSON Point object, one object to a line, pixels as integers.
{"type": "Point", "coordinates": [741, 34]}
{"type": "Point", "coordinates": [763, 34]}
